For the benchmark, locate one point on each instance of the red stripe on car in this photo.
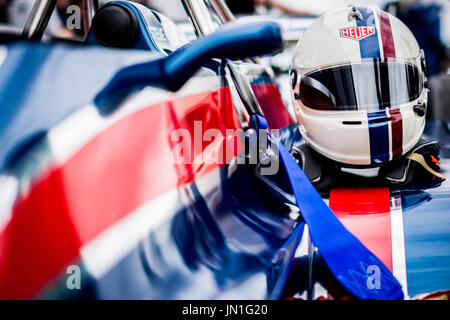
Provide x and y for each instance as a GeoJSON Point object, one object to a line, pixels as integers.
{"type": "Point", "coordinates": [272, 105]}
{"type": "Point", "coordinates": [366, 213]}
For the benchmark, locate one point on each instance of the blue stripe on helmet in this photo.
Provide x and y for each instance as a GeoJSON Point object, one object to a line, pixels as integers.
{"type": "Point", "coordinates": [378, 136]}
{"type": "Point", "coordinates": [368, 46]}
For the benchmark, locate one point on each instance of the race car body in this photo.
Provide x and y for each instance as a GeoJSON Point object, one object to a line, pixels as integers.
{"type": "Point", "coordinates": [100, 191]}
{"type": "Point", "coordinates": [124, 175]}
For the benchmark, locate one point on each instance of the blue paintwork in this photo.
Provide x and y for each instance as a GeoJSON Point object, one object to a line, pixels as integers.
{"type": "Point", "coordinates": [43, 84]}
{"type": "Point", "coordinates": [426, 221]}
{"type": "Point", "coordinates": [427, 241]}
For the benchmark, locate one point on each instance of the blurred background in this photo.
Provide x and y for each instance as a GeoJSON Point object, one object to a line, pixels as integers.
{"type": "Point", "coordinates": [429, 20]}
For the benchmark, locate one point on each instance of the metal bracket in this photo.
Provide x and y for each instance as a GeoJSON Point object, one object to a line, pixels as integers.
{"type": "Point", "coordinates": [354, 13]}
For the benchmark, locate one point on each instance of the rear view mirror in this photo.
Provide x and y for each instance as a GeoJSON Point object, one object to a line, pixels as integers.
{"type": "Point", "coordinates": [171, 72]}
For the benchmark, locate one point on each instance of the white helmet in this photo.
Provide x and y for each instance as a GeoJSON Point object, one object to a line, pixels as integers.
{"type": "Point", "coordinates": [359, 86]}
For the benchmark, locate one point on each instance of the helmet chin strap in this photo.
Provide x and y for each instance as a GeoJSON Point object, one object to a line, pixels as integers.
{"type": "Point", "coordinates": [407, 169]}
{"type": "Point", "coordinates": [421, 160]}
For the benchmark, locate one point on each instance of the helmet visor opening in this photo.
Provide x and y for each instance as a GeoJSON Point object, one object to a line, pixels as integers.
{"type": "Point", "coordinates": [370, 85]}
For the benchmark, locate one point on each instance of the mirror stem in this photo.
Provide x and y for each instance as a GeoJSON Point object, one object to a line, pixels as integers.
{"type": "Point", "coordinates": [244, 90]}
{"type": "Point", "coordinates": [38, 19]}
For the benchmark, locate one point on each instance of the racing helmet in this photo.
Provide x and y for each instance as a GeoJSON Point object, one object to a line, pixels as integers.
{"type": "Point", "coordinates": [359, 87]}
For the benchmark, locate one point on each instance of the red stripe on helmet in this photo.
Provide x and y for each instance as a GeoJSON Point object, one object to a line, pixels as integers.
{"type": "Point", "coordinates": [397, 133]}
{"type": "Point", "coordinates": [386, 35]}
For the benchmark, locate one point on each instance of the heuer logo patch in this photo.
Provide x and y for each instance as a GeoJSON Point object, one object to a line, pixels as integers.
{"type": "Point", "coordinates": [357, 33]}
